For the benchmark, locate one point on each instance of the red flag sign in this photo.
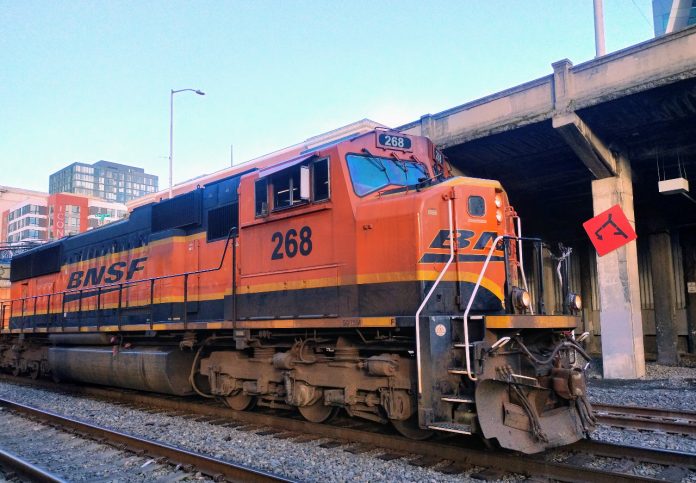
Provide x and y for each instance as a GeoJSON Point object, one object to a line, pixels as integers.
{"type": "Point", "coordinates": [609, 230]}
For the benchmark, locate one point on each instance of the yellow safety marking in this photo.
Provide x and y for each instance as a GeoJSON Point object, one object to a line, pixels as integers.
{"type": "Point", "coordinates": [531, 321]}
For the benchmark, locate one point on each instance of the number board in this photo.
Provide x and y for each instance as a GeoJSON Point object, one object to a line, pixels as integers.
{"type": "Point", "coordinates": [393, 141]}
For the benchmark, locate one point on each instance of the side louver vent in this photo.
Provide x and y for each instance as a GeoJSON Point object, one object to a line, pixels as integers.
{"type": "Point", "coordinates": [181, 211]}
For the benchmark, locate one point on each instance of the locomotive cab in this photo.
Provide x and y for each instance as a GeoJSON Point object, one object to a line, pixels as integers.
{"type": "Point", "coordinates": [377, 232]}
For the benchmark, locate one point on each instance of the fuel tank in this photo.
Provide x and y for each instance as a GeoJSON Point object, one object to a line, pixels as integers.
{"type": "Point", "coordinates": [156, 369]}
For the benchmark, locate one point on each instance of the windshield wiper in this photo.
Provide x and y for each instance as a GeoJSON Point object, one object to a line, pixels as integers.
{"type": "Point", "coordinates": [399, 163]}
{"type": "Point", "coordinates": [375, 161]}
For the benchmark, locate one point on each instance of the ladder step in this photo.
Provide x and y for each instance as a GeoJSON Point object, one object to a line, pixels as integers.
{"type": "Point", "coordinates": [462, 345]}
{"type": "Point", "coordinates": [458, 370]}
{"type": "Point", "coordinates": [451, 427]}
{"type": "Point", "coordinates": [458, 399]}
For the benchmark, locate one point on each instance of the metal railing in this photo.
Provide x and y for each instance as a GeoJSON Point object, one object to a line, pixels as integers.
{"type": "Point", "coordinates": [7, 308]}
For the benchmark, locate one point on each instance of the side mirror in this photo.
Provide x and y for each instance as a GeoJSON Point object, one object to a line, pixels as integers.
{"type": "Point", "coordinates": [304, 182]}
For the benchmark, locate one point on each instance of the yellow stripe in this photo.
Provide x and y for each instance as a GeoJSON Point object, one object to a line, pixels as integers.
{"type": "Point", "coordinates": [531, 321]}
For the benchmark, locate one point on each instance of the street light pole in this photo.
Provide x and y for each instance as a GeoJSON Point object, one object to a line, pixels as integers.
{"type": "Point", "coordinates": [171, 131]}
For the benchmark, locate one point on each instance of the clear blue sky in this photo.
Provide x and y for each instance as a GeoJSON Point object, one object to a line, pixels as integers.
{"type": "Point", "coordinates": [84, 81]}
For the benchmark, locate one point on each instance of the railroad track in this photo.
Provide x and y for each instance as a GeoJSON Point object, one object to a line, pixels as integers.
{"type": "Point", "coordinates": [584, 461]}
{"type": "Point", "coordinates": [668, 421]}
{"type": "Point", "coordinates": [14, 467]}
{"type": "Point", "coordinates": [212, 467]}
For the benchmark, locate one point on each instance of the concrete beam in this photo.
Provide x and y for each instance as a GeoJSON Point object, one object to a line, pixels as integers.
{"type": "Point", "coordinates": [656, 62]}
{"type": "Point", "coordinates": [620, 317]}
{"type": "Point", "coordinates": [585, 144]}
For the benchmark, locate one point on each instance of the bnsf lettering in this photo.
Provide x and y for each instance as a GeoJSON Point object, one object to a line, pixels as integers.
{"type": "Point", "coordinates": [114, 273]}
{"type": "Point", "coordinates": [442, 239]}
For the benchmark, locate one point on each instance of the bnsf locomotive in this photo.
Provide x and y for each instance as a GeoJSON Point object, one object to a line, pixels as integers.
{"type": "Point", "coordinates": [361, 274]}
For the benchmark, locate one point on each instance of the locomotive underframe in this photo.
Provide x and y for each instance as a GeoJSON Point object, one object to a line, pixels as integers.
{"type": "Point", "coordinates": [371, 373]}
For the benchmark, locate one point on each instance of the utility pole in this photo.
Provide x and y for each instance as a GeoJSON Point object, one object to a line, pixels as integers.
{"type": "Point", "coordinates": [599, 28]}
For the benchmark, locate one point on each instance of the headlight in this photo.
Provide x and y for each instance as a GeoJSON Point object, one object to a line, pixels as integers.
{"type": "Point", "coordinates": [574, 302]}
{"type": "Point", "coordinates": [499, 216]}
{"type": "Point", "coordinates": [521, 298]}
{"type": "Point", "coordinates": [498, 201]}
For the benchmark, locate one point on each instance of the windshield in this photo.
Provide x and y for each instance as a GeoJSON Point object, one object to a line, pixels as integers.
{"type": "Point", "coordinates": [371, 173]}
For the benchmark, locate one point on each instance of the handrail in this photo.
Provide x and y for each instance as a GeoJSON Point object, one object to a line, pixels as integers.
{"type": "Point", "coordinates": [430, 293]}
{"type": "Point", "coordinates": [473, 296]}
{"type": "Point", "coordinates": [120, 285]}
{"type": "Point", "coordinates": [471, 302]}
{"type": "Point", "coordinates": [521, 258]}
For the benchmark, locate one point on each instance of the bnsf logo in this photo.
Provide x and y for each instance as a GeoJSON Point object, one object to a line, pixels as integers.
{"type": "Point", "coordinates": [113, 274]}
{"type": "Point", "coordinates": [443, 239]}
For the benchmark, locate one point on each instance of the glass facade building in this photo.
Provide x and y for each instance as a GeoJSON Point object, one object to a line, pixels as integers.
{"type": "Point", "coordinates": [672, 15]}
{"type": "Point", "coordinates": [106, 180]}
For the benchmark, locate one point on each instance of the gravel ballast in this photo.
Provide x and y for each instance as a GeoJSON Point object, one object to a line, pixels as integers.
{"type": "Point", "coordinates": [663, 387]}
{"type": "Point", "coordinates": [297, 461]}
{"type": "Point", "coordinates": [74, 458]}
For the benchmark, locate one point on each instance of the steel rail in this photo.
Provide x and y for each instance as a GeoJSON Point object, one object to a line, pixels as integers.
{"type": "Point", "coordinates": [213, 467]}
{"type": "Point", "coordinates": [667, 420]}
{"type": "Point", "coordinates": [447, 448]}
{"type": "Point", "coordinates": [26, 469]}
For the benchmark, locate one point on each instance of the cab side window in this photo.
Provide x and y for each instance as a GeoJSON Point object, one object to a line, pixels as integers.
{"type": "Point", "coordinates": [286, 188]}
{"type": "Point", "coordinates": [295, 185]}
{"type": "Point", "coordinates": [261, 196]}
{"type": "Point", "coordinates": [320, 180]}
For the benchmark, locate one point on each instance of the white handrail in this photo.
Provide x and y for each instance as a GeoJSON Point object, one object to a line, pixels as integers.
{"type": "Point", "coordinates": [519, 255]}
{"type": "Point", "coordinates": [427, 297]}
{"type": "Point", "coordinates": [471, 302]}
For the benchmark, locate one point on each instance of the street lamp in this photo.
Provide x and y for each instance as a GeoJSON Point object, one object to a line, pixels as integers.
{"type": "Point", "coordinates": [171, 130]}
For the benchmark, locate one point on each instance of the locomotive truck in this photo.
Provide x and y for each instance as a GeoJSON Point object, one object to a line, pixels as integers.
{"type": "Point", "coordinates": [361, 275]}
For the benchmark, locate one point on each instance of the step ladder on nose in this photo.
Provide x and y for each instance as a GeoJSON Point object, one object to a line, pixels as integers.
{"type": "Point", "coordinates": [457, 399]}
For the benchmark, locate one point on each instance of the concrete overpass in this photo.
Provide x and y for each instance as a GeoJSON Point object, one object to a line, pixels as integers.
{"type": "Point", "coordinates": [574, 143]}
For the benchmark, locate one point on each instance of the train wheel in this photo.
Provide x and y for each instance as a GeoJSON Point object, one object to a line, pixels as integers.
{"type": "Point", "coordinates": [34, 373]}
{"type": "Point", "coordinates": [318, 412]}
{"type": "Point", "coordinates": [240, 402]}
{"type": "Point", "coordinates": [15, 371]}
{"type": "Point", "coordinates": [411, 430]}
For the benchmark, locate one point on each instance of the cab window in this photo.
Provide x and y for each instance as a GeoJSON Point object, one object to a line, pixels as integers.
{"type": "Point", "coordinates": [286, 188]}
{"type": "Point", "coordinates": [261, 197]}
{"type": "Point", "coordinates": [371, 173]}
{"type": "Point", "coordinates": [320, 180]}
{"type": "Point", "coordinates": [477, 206]}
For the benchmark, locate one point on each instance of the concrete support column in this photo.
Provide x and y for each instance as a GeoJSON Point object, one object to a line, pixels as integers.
{"type": "Point", "coordinates": [688, 241]}
{"type": "Point", "coordinates": [617, 273]}
{"type": "Point", "coordinates": [663, 277]}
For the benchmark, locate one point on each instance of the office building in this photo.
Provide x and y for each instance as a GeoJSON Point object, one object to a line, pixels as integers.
{"type": "Point", "coordinates": [106, 180]}
{"type": "Point", "coordinates": [42, 217]}
{"type": "Point", "coordinates": [672, 15]}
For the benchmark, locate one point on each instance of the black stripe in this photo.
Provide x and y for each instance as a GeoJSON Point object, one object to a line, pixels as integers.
{"type": "Point", "coordinates": [396, 299]}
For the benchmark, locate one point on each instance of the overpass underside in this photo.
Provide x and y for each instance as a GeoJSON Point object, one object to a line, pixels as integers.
{"type": "Point", "coordinates": [571, 145]}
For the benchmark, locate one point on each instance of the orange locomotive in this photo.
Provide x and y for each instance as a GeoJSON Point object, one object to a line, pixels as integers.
{"type": "Point", "coordinates": [360, 275]}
